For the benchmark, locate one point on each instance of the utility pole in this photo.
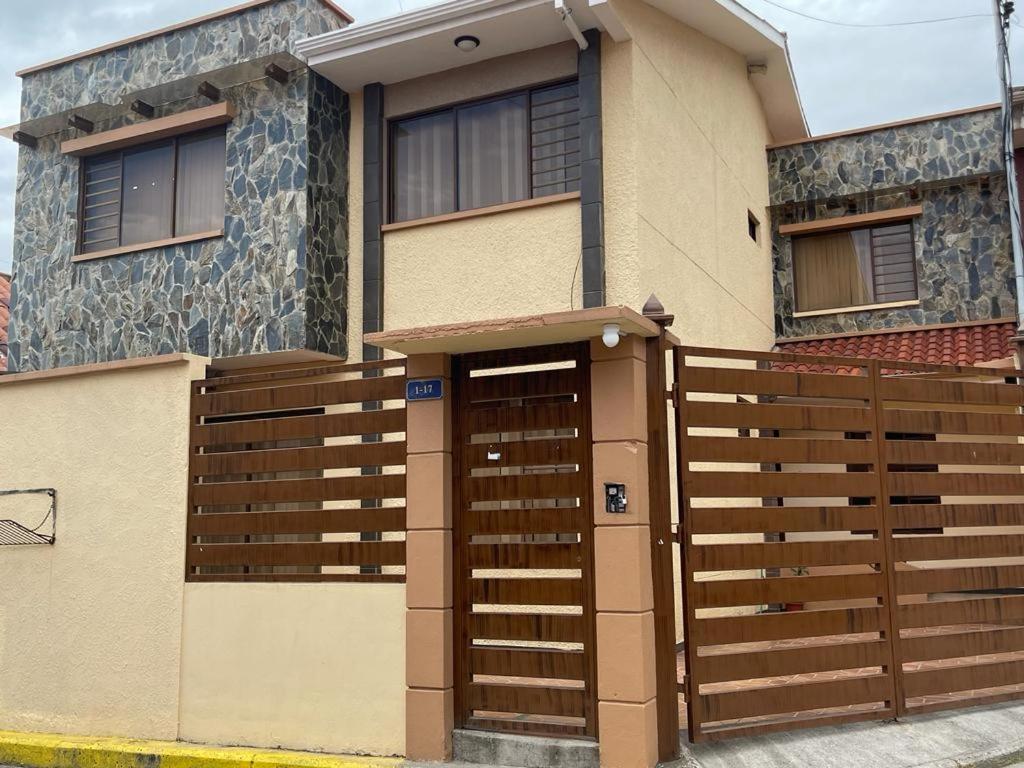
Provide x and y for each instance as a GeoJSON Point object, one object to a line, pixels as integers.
{"type": "Point", "coordinates": [1003, 9]}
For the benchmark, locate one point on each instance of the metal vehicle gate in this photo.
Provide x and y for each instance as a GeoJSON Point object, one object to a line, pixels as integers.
{"type": "Point", "coordinates": [524, 615]}
{"type": "Point", "coordinates": [852, 536]}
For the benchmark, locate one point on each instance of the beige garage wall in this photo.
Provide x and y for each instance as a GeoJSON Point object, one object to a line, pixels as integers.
{"type": "Point", "coordinates": [303, 666]}
{"type": "Point", "coordinates": [90, 629]}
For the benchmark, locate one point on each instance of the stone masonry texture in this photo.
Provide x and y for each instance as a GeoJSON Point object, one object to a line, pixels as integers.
{"type": "Point", "coordinates": [274, 281]}
{"type": "Point", "coordinates": [951, 167]}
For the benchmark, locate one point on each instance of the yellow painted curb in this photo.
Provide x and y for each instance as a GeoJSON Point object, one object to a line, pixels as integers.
{"type": "Point", "coordinates": [50, 750]}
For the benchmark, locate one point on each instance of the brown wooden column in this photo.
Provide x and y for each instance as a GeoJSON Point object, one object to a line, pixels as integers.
{"type": "Point", "coordinates": [430, 700]}
{"type": "Point", "coordinates": [626, 684]}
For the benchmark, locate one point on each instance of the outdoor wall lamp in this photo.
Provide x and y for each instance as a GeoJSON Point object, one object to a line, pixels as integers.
{"type": "Point", "coordinates": [467, 43]}
{"type": "Point", "coordinates": [610, 335]}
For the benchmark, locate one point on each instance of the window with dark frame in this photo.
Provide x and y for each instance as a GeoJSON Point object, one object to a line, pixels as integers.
{"type": "Point", "coordinates": [153, 192]}
{"type": "Point", "coordinates": [855, 267]}
{"type": "Point", "coordinates": [488, 152]}
{"type": "Point", "coordinates": [753, 227]}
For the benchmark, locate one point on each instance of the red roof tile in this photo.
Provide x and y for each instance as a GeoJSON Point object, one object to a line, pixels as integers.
{"type": "Point", "coordinates": [5, 316]}
{"type": "Point", "coordinates": [975, 344]}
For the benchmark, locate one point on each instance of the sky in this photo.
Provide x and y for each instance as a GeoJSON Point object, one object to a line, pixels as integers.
{"type": "Point", "coordinates": [848, 76]}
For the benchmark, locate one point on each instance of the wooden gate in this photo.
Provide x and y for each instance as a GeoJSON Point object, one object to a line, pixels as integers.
{"type": "Point", "coordinates": [852, 536]}
{"type": "Point", "coordinates": [524, 616]}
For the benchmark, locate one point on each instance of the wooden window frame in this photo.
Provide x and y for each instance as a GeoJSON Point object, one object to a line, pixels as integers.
{"type": "Point", "coordinates": [174, 239]}
{"type": "Point", "coordinates": [869, 227]}
{"type": "Point", "coordinates": [454, 109]}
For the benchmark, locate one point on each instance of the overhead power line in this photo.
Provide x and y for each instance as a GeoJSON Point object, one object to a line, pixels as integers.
{"type": "Point", "coordinates": [782, 7]}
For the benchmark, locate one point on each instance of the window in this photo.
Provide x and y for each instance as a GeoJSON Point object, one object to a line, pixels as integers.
{"type": "Point", "coordinates": [162, 190]}
{"type": "Point", "coordinates": [855, 267]}
{"type": "Point", "coordinates": [501, 150]}
{"type": "Point", "coordinates": [753, 226]}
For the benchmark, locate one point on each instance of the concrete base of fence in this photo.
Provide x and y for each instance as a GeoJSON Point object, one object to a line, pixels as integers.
{"type": "Point", "coordinates": [47, 750]}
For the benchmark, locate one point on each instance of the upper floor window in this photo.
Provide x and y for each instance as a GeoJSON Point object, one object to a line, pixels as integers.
{"type": "Point", "coordinates": [153, 192]}
{"type": "Point", "coordinates": [856, 267]}
{"type": "Point", "coordinates": [499, 150]}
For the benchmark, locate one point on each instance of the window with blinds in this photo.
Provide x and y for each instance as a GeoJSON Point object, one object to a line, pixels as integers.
{"type": "Point", "coordinates": [855, 267]}
{"type": "Point", "coordinates": [499, 150]}
{"type": "Point", "coordinates": [158, 191]}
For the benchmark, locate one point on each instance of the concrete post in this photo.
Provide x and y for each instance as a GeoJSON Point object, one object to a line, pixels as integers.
{"type": "Point", "coordinates": [624, 591]}
{"type": "Point", "coordinates": [430, 696]}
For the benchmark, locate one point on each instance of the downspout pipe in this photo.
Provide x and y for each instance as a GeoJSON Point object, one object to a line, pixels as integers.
{"type": "Point", "coordinates": [565, 13]}
{"type": "Point", "coordinates": [1010, 166]}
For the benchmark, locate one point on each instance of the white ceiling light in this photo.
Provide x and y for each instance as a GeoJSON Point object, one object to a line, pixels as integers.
{"type": "Point", "coordinates": [467, 43]}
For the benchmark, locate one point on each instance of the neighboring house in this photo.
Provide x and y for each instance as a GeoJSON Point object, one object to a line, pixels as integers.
{"type": "Point", "coordinates": [894, 241]}
{"type": "Point", "coordinates": [5, 316]}
{"type": "Point", "coordinates": [179, 217]}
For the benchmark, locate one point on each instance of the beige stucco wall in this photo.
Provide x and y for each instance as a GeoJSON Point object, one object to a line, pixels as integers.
{"type": "Point", "coordinates": [90, 628]}
{"type": "Point", "coordinates": [685, 138]}
{"type": "Point", "coordinates": [306, 666]}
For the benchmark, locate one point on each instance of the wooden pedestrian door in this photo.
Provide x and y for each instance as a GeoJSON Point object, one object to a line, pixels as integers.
{"type": "Point", "coordinates": [523, 533]}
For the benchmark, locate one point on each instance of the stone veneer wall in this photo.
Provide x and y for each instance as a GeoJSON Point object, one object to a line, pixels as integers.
{"type": "Point", "coordinates": [962, 239]}
{"type": "Point", "coordinates": [275, 281]}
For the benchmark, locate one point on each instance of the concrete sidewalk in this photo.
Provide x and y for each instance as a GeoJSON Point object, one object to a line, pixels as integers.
{"type": "Point", "coordinates": [985, 737]}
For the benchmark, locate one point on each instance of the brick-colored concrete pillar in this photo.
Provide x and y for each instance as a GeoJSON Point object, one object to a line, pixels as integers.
{"type": "Point", "coordinates": [430, 699]}
{"type": "Point", "coordinates": [626, 683]}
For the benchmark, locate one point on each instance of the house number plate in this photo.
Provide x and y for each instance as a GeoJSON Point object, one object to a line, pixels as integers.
{"type": "Point", "coordinates": [424, 389]}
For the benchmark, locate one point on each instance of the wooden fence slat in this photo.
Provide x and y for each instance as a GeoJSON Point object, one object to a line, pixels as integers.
{"type": "Point", "coordinates": [955, 484]}
{"type": "Point", "coordinates": [786, 589]}
{"type": "Point", "coordinates": [523, 418]}
{"type": "Point", "coordinates": [953, 422]}
{"type": "Point", "coordinates": [527, 662]}
{"type": "Point", "coordinates": [779, 450]}
{"type": "Point", "coordinates": [957, 515]}
{"type": "Point", "coordinates": [951, 392]}
{"type": "Point", "coordinates": [312, 553]}
{"type": "Point", "coordinates": [770, 416]}
{"type": "Point", "coordinates": [992, 610]}
{"type": "Point", "coordinates": [377, 519]}
{"type": "Point", "coordinates": [920, 581]}
{"type": "Point", "coordinates": [297, 427]}
{"type": "Point", "coordinates": [750, 381]}
{"type": "Point", "coordinates": [280, 398]}
{"type": "Point", "coordinates": [720, 668]}
{"type": "Point", "coordinates": [509, 386]}
{"type": "Point", "coordinates": [310, 489]}
{"type": "Point", "coordinates": [536, 591]}
{"type": "Point", "coordinates": [776, 519]}
{"type": "Point", "coordinates": [942, 452]}
{"type": "Point", "coordinates": [797, 697]}
{"type": "Point", "coordinates": [550, 485]}
{"type": "Point", "coordinates": [926, 548]}
{"type": "Point", "coordinates": [952, 645]}
{"type": "Point", "coordinates": [787, 626]}
{"type": "Point", "coordinates": [526, 699]}
{"type": "Point", "coordinates": [534, 453]}
{"type": "Point", "coordinates": [739, 557]}
{"type": "Point", "coordinates": [781, 484]}
{"type": "Point", "coordinates": [966, 677]}
{"type": "Point", "coordinates": [522, 521]}
{"type": "Point", "coordinates": [295, 459]}
{"type": "Point", "coordinates": [550, 627]}
{"type": "Point", "coordinates": [514, 556]}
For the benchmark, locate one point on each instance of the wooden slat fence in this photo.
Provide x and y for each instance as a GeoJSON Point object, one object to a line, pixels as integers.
{"type": "Point", "coordinates": [853, 543]}
{"type": "Point", "coordinates": [299, 475]}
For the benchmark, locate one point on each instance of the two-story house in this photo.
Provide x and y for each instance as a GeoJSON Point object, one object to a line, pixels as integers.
{"type": "Point", "coordinates": [270, 184]}
{"type": "Point", "coordinates": [893, 242]}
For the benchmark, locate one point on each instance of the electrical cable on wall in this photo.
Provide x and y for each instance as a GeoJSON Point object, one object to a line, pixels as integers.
{"type": "Point", "coordinates": [13, 533]}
